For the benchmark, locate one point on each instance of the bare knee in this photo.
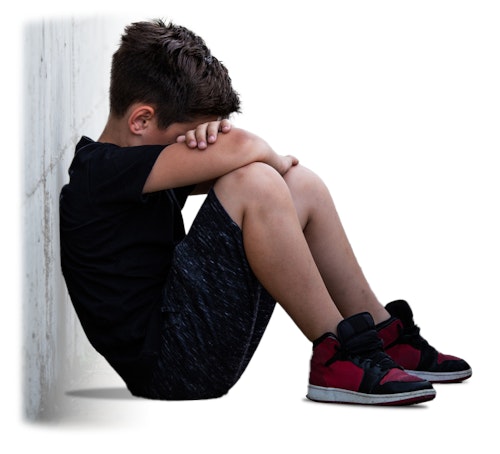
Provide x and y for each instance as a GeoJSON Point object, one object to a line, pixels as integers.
{"type": "Point", "coordinates": [254, 184]}
{"type": "Point", "coordinates": [301, 180]}
{"type": "Point", "coordinates": [308, 191]}
{"type": "Point", "coordinates": [256, 179]}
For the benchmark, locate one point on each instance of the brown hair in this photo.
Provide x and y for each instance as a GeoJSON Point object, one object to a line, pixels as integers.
{"type": "Point", "coordinates": [171, 68]}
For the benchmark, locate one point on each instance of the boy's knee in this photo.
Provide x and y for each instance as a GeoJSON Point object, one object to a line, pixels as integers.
{"type": "Point", "coordinates": [303, 178]}
{"type": "Point", "coordinates": [255, 185]}
{"type": "Point", "coordinates": [253, 179]}
{"type": "Point", "coordinates": [256, 171]}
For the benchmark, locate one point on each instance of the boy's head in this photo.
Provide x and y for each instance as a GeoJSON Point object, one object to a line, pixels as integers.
{"type": "Point", "coordinates": [171, 69]}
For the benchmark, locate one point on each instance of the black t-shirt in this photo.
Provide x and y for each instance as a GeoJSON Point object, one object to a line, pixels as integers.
{"type": "Point", "coordinates": [116, 248]}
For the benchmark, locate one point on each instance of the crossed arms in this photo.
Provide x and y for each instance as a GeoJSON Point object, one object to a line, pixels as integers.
{"type": "Point", "coordinates": [215, 155]}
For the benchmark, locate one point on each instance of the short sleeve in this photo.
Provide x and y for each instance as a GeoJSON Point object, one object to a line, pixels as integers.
{"type": "Point", "coordinates": [118, 175]}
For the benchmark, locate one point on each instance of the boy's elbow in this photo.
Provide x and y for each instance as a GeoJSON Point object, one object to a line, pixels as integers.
{"type": "Point", "coordinates": [250, 145]}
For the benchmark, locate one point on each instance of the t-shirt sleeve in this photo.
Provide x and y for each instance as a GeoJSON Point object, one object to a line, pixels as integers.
{"type": "Point", "coordinates": [118, 175]}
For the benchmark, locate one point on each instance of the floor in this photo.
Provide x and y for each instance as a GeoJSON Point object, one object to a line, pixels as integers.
{"type": "Point", "coordinates": [266, 411]}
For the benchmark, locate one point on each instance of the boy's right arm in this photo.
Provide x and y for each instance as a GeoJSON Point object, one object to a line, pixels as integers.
{"type": "Point", "coordinates": [178, 165]}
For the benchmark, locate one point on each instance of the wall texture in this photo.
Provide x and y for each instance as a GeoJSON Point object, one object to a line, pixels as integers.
{"type": "Point", "coordinates": [66, 72]}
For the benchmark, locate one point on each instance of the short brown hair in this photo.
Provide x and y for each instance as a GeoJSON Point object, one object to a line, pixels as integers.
{"type": "Point", "coordinates": [171, 68]}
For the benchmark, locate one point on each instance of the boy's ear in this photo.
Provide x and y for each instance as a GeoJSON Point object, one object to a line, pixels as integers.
{"type": "Point", "coordinates": [140, 119]}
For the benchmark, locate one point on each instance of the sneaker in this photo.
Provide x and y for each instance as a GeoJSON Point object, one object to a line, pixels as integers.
{"type": "Point", "coordinates": [353, 368]}
{"type": "Point", "coordinates": [404, 344]}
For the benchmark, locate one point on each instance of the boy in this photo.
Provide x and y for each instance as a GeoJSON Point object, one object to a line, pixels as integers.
{"type": "Point", "coordinates": [179, 316]}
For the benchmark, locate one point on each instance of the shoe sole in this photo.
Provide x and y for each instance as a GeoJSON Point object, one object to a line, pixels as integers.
{"type": "Point", "coordinates": [442, 377]}
{"type": "Point", "coordinates": [343, 396]}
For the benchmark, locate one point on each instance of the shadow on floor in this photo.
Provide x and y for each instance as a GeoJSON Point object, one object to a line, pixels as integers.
{"type": "Point", "coordinates": [116, 393]}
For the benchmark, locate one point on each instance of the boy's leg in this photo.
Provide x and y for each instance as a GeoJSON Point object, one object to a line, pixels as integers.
{"type": "Point", "coordinates": [349, 367]}
{"type": "Point", "coordinates": [330, 247]}
{"type": "Point", "coordinates": [258, 199]}
{"type": "Point", "coordinates": [350, 290]}
{"type": "Point", "coordinates": [321, 266]}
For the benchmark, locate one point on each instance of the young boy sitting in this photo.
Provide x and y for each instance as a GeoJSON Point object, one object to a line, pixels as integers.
{"type": "Point", "coordinates": [179, 316]}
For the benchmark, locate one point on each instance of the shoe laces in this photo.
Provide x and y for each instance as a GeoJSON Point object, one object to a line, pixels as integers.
{"type": "Point", "coordinates": [411, 335]}
{"type": "Point", "coordinates": [366, 348]}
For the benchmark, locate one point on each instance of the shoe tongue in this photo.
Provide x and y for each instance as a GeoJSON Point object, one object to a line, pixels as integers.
{"type": "Point", "coordinates": [401, 309]}
{"type": "Point", "coordinates": [354, 326]}
{"type": "Point", "coordinates": [357, 335]}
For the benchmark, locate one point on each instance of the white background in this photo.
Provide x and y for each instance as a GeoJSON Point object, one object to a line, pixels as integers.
{"type": "Point", "coordinates": [396, 104]}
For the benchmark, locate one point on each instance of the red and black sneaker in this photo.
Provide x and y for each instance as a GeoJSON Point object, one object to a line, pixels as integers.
{"type": "Point", "coordinates": [404, 344]}
{"type": "Point", "coordinates": [353, 368]}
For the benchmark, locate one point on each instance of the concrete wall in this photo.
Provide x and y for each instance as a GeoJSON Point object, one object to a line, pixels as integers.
{"type": "Point", "coordinates": [66, 72]}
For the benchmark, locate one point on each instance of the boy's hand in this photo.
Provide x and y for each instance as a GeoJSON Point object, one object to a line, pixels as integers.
{"type": "Point", "coordinates": [285, 163]}
{"type": "Point", "coordinates": [204, 134]}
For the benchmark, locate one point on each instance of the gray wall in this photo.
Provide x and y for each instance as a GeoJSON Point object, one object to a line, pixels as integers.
{"type": "Point", "coordinates": [66, 72]}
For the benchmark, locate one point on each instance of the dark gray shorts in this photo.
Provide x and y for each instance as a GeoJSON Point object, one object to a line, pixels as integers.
{"type": "Point", "coordinates": [215, 311]}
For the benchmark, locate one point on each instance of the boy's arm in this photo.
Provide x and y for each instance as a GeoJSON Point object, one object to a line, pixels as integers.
{"type": "Point", "coordinates": [178, 165]}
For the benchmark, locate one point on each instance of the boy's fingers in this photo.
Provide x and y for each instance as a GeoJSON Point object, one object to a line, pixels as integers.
{"type": "Point", "coordinates": [190, 139]}
{"type": "Point", "coordinates": [225, 125]}
{"type": "Point", "coordinates": [201, 136]}
{"type": "Point", "coordinates": [212, 131]}
{"type": "Point", "coordinates": [204, 134]}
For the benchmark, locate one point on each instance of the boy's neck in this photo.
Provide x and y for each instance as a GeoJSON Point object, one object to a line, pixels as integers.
{"type": "Point", "coordinates": [116, 132]}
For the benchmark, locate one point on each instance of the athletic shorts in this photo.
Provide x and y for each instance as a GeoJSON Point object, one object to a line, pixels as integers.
{"type": "Point", "coordinates": [214, 311]}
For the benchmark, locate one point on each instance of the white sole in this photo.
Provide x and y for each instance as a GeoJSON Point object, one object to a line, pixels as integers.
{"type": "Point", "coordinates": [337, 395]}
{"type": "Point", "coordinates": [441, 377]}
